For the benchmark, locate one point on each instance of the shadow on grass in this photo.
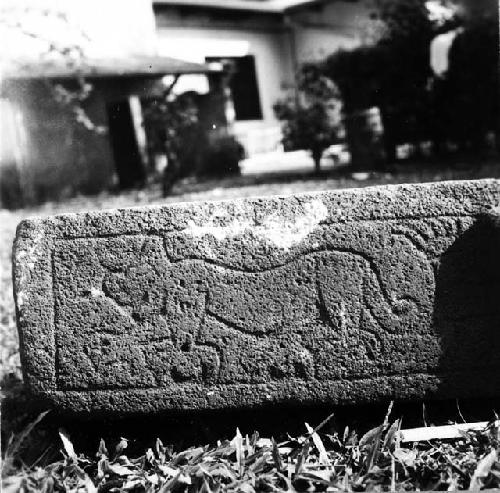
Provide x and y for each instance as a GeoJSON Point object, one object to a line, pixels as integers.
{"type": "Point", "coordinates": [186, 429]}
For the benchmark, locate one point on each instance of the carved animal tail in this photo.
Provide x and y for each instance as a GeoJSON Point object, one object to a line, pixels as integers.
{"type": "Point", "coordinates": [388, 311]}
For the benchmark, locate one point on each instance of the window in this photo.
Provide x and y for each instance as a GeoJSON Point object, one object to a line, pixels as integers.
{"type": "Point", "coordinates": [243, 85]}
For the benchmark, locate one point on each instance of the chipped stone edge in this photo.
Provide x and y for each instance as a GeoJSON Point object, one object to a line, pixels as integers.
{"type": "Point", "coordinates": [32, 286]}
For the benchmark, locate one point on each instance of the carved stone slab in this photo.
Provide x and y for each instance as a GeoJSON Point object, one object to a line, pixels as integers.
{"type": "Point", "coordinates": [350, 296]}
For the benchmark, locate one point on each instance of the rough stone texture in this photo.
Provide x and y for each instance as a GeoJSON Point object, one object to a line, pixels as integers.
{"type": "Point", "coordinates": [351, 296]}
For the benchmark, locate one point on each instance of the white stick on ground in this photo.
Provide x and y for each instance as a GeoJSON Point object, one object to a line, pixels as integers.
{"type": "Point", "coordinates": [441, 432]}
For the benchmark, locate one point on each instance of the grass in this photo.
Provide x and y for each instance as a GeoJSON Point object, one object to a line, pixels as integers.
{"type": "Point", "coordinates": [313, 461]}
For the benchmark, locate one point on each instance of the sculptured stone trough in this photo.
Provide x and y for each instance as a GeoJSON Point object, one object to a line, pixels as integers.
{"type": "Point", "coordinates": [339, 297]}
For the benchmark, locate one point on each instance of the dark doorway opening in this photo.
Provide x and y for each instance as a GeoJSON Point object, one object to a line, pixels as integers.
{"type": "Point", "coordinates": [128, 160]}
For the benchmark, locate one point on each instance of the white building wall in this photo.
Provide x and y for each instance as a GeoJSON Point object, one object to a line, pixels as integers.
{"type": "Point", "coordinates": [326, 28]}
{"type": "Point", "coordinates": [311, 33]}
{"type": "Point", "coordinates": [316, 44]}
{"type": "Point", "coordinates": [273, 64]}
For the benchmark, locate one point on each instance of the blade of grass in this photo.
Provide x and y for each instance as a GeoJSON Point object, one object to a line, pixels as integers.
{"type": "Point", "coordinates": [318, 443]}
{"type": "Point", "coordinates": [276, 456]}
{"type": "Point", "coordinates": [482, 470]}
{"type": "Point", "coordinates": [302, 457]}
{"type": "Point", "coordinates": [15, 442]}
{"type": "Point", "coordinates": [68, 446]}
{"type": "Point", "coordinates": [237, 443]}
{"type": "Point", "coordinates": [324, 422]}
{"type": "Point", "coordinates": [375, 450]}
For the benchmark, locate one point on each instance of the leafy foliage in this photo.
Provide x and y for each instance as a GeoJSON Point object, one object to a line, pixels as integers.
{"type": "Point", "coordinates": [311, 119]}
{"type": "Point", "coordinates": [470, 106]}
{"type": "Point", "coordinates": [31, 23]}
{"type": "Point", "coordinates": [376, 461]}
{"type": "Point", "coordinates": [394, 73]}
{"type": "Point", "coordinates": [174, 128]}
{"type": "Point", "coordinates": [222, 156]}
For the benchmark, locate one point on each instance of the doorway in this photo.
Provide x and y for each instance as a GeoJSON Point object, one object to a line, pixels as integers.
{"type": "Point", "coordinates": [126, 151]}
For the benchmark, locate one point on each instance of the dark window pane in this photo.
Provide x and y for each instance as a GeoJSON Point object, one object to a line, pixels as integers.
{"type": "Point", "coordinates": [243, 85]}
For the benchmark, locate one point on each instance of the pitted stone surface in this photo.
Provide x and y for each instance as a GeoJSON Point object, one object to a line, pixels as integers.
{"type": "Point", "coordinates": [337, 297]}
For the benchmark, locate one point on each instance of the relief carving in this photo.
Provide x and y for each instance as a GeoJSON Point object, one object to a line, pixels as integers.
{"type": "Point", "coordinates": [325, 314]}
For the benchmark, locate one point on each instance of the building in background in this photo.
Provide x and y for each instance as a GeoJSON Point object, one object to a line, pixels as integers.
{"type": "Point", "coordinates": [239, 56]}
{"type": "Point", "coordinates": [53, 149]}
{"type": "Point", "coordinates": [260, 43]}
{"type": "Point", "coordinates": [71, 116]}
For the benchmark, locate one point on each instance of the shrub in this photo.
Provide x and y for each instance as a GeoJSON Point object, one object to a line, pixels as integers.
{"type": "Point", "coordinates": [11, 192]}
{"type": "Point", "coordinates": [312, 118]}
{"type": "Point", "coordinates": [222, 157]}
{"type": "Point", "coordinates": [391, 74]}
{"type": "Point", "coordinates": [472, 84]}
{"type": "Point", "coordinates": [173, 128]}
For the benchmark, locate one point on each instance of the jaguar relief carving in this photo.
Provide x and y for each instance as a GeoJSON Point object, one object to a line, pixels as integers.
{"type": "Point", "coordinates": [324, 314]}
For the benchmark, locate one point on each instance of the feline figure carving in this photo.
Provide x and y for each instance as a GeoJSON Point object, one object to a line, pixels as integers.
{"type": "Point", "coordinates": [294, 320]}
{"type": "Point", "coordinates": [327, 314]}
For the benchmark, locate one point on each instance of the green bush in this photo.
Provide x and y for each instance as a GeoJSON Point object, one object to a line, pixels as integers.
{"type": "Point", "coordinates": [311, 119]}
{"type": "Point", "coordinates": [222, 157]}
{"type": "Point", "coordinates": [11, 192]}
{"type": "Point", "coordinates": [392, 74]}
{"type": "Point", "coordinates": [472, 85]}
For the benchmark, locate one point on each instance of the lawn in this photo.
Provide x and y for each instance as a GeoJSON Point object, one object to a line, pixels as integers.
{"type": "Point", "coordinates": [382, 459]}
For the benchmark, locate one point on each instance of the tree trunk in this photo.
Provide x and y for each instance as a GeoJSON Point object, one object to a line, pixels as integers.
{"type": "Point", "coordinates": [170, 174]}
{"type": "Point", "coordinates": [316, 155]}
{"type": "Point", "coordinates": [365, 137]}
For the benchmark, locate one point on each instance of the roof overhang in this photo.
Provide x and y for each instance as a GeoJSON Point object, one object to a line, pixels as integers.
{"type": "Point", "coordinates": [264, 6]}
{"type": "Point", "coordinates": [132, 67]}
